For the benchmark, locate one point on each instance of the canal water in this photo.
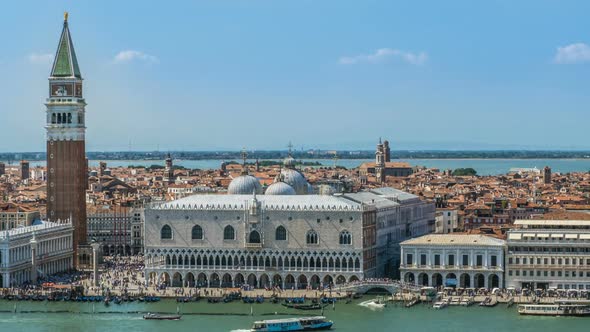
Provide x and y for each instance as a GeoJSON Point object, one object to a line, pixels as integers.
{"type": "Point", "coordinates": [235, 317]}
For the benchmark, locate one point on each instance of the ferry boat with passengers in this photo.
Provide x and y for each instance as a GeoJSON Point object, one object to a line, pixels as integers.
{"type": "Point", "coordinates": [554, 309]}
{"type": "Point", "coordinates": [293, 324]}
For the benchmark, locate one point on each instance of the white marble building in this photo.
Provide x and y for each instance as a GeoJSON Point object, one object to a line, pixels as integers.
{"type": "Point", "coordinates": [39, 250]}
{"type": "Point", "coordinates": [549, 254]}
{"type": "Point", "coordinates": [288, 240]}
{"type": "Point", "coordinates": [462, 260]}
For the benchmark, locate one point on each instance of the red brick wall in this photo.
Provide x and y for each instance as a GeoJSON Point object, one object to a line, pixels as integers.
{"type": "Point", "coordinates": [66, 183]}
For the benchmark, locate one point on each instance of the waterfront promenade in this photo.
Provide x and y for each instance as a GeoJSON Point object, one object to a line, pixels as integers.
{"type": "Point", "coordinates": [124, 277]}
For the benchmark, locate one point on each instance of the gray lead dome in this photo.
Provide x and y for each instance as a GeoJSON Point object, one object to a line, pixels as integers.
{"type": "Point", "coordinates": [280, 188]}
{"type": "Point", "coordinates": [244, 185]}
{"type": "Point", "coordinates": [295, 179]}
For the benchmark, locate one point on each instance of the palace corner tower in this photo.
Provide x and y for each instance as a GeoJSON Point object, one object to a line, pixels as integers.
{"type": "Point", "coordinates": [66, 150]}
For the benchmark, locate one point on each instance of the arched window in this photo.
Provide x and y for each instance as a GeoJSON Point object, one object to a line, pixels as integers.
{"type": "Point", "coordinates": [312, 237]}
{"type": "Point", "coordinates": [254, 237]}
{"type": "Point", "coordinates": [281, 234]}
{"type": "Point", "coordinates": [345, 237]}
{"type": "Point", "coordinates": [197, 233]}
{"type": "Point", "coordinates": [166, 233]}
{"type": "Point", "coordinates": [228, 233]}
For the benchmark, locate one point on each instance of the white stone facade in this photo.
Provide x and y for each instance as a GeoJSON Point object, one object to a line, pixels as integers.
{"type": "Point", "coordinates": [291, 241]}
{"type": "Point", "coordinates": [462, 260]}
{"type": "Point", "coordinates": [34, 251]}
{"type": "Point", "coordinates": [549, 254]}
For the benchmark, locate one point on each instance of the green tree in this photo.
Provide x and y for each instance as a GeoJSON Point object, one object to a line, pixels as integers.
{"type": "Point", "coordinates": [464, 172]}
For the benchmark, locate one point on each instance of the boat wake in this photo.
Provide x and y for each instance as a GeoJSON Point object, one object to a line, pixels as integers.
{"type": "Point", "coordinates": [372, 304]}
{"type": "Point", "coordinates": [240, 330]}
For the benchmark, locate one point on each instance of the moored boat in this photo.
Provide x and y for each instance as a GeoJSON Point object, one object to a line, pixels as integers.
{"type": "Point", "coordinates": [440, 304]}
{"type": "Point", "coordinates": [293, 324]}
{"type": "Point", "coordinates": [488, 302]}
{"type": "Point", "coordinates": [466, 302]}
{"type": "Point", "coordinates": [312, 306]}
{"type": "Point", "coordinates": [554, 309]}
{"type": "Point", "coordinates": [161, 317]}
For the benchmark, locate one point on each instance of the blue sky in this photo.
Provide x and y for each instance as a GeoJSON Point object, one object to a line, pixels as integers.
{"type": "Point", "coordinates": [206, 75]}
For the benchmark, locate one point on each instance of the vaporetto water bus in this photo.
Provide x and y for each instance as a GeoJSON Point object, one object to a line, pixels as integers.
{"type": "Point", "coordinates": [554, 309]}
{"type": "Point", "coordinates": [293, 324]}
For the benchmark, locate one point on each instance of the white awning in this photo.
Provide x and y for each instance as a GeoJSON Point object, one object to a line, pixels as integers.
{"type": "Point", "coordinates": [557, 236]}
{"type": "Point", "coordinates": [585, 236]}
{"type": "Point", "coordinates": [543, 235]}
{"type": "Point", "coordinates": [514, 236]}
{"type": "Point", "coordinates": [571, 236]}
{"type": "Point", "coordinates": [528, 235]}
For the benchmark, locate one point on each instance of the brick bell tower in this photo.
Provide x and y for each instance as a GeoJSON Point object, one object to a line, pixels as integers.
{"type": "Point", "coordinates": [66, 147]}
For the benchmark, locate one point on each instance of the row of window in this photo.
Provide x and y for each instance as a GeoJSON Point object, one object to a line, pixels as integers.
{"type": "Point", "coordinates": [318, 220]}
{"type": "Point", "coordinates": [549, 249]}
{"type": "Point", "coordinates": [451, 260]}
{"type": "Point", "coordinates": [549, 261]}
{"type": "Point", "coordinates": [60, 118]}
{"type": "Point", "coordinates": [254, 237]}
{"type": "Point", "coordinates": [539, 273]}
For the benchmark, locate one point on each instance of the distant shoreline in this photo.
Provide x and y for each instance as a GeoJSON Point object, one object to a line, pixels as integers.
{"type": "Point", "coordinates": [237, 158]}
{"type": "Point", "coordinates": [327, 160]}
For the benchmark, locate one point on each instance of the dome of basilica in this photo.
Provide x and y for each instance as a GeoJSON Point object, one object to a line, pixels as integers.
{"type": "Point", "coordinates": [280, 188]}
{"type": "Point", "coordinates": [244, 185]}
{"type": "Point", "coordinates": [295, 179]}
{"type": "Point", "coordinates": [289, 162]}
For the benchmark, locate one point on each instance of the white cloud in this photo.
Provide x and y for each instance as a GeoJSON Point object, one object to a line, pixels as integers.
{"type": "Point", "coordinates": [131, 55]}
{"type": "Point", "coordinates": [573, 53]}
{"type": "Point", "coordinates": [383, 54]}
{"type": "Point", "coordinates": [40, 58]}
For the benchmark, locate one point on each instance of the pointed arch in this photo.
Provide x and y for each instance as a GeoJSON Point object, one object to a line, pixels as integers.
{"type": "Point", "coordinates": [229, 233]}
{"type": "Point", "coordinates": [311, 237]}
{"type": "Point", "coordinates": [197, 232]}
{"type": "Point", "coordinates": [280, 234]}
{"type": "Point", "coordinates": [166, 233]}
{"type": "Point", "coordinates": [345, 238]}
{"type": "Point", "coordinates": [254, 237]}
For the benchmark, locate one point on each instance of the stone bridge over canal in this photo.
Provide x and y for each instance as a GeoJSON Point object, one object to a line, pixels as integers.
{"type": "Point", "coordinates": [363, 287]}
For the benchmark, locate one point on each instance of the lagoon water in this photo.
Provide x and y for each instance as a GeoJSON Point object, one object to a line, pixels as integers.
{"type": "Point", "coordinates": [205, 317]}
{"type": "Point", "coordinates": [482, 166]}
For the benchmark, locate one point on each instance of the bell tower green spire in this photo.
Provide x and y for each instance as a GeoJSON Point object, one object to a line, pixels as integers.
{"type": "Point", "coordinates": [65, 63]}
